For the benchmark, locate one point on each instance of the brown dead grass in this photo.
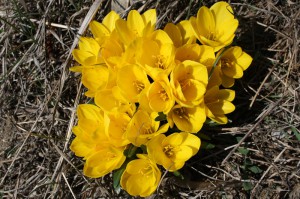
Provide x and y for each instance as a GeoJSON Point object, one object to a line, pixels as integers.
{"type": "Point", "coordinates": [39, 97]}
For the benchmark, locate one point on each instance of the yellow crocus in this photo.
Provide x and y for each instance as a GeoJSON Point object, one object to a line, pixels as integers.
{"type": "Point", "coordinates": [188, 82]}
{"type": "Point", "coordinates": [181, 33]}
{"type": "Point", "coordinates": [155, 55]}
{"type": "Point", "coordinates": [104, 29]}
{"type": "Point", "coordinates": [143, 127]}
{"type": "Point", "coordinates": [115, 127]}
{"type": "Point", "coordinates": [112, 100]}
{"type": "Point", "coordinates": [90, 117]}
{"type": "Point", "coordinates": [94, 78]}
{"type": "Point", "coordinates": [88, 53]}
{"type": "Point", "coordinates": [89, 131]}
{"type": "Point", "coordinates": [158, 97]}
{"type": "Point", "coordinates": [131, 80]}
{"type": "Point", "coordinates": [141, 177]}
{"type": "Point", "coordinates": [88, 142]}
{"type": "Point", "coordinates": [104, 161]}
{"type": "Point", "coordinates": [174, 150]}
{"type": "Point", "coordinates": [136, 26]}
{"type": "Point", "coordinates": [232, 64]}
{"type": "Point", "coordinates": [218, 103]}
{"type": "Point", "coordinates": [189, 119]}
{"type": "Point", "coordinates": [215, 26]}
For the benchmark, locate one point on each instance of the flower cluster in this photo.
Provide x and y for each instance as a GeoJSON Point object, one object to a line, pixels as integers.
{"type": "Point", "coordinates": [152, 91]}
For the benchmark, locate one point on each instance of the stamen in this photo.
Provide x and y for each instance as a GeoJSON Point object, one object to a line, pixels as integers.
{"type": "Point", "coordinates": [163, 95]}
{"type": "Point", "coordinates": [168, 150]}
{"type": "Point", "coordinates": [139, 86]}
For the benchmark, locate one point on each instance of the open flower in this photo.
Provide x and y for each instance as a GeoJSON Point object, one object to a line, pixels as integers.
{"type": "Point", "coordinates": [218, 103]}
{"type": "Point", "coordinates": [131, 80]}
{"type": "Point", "coordinates": [158, 97]}
{"type": "Point", "coordinates": [155, 55]}
{"type": "Point", "coordinates": [173, 151]}
{"type": "Point", "coordinates": [143, 127]}
{"type": "Point", "coordinates": [141, 177]}
{"type": "Point", "coordinates": [232, 64]}
{"type": "Point", "coordinates": [186, 118]}
{"type": "Point", "coordinates": [188, 81]}
{"type": "Point", "coordinates": [215, 26]}
{"type": "Point", "coordinates": [104, 161]}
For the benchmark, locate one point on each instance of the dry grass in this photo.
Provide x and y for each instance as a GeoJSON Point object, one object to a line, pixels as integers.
{"type": "Point", "coordinates": [255, 156]}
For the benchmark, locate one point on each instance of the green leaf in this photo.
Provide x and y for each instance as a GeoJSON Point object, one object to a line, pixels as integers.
{"type": "Point", "coordinates": [255, 169]}
{"type": "Point", "coordinates": [117, 177]}
{"type": "Point", "coordinates": [295, 131]}
{"type": "Point", "coordinates": [243, 150]}
{"type": "Point", "coordinates": [247, 186]}
{"type": "Point", "coordinates": [130, 151]}
{"type": "Point", "coordinates": [207, 145]}
{"type": "Point", "coordinates": [161, 117]}
{"type": "Point", "coordinates": [178, 174]}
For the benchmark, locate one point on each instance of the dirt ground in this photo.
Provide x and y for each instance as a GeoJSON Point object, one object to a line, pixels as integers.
{"type": "Point", "coordinates": [257, 155]}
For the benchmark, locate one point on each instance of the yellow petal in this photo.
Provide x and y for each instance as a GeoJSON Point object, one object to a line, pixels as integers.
{"type": "Point", "coordinates": [244, 61]}
{"type": "Point", "coordinates": [110, 20]}
{"type": "Point", "coordinates": [98, 29]}
{"type": "Point", "coordinates": [227, 82]}
{"type": "Point", "coordinates": [135, 22]}
{"type": "Point", "coordinates": [234, 71]}
{"type": "Point", "coordinates": [149, 16]}
{"type": "Point", "coordinates": [226, 94]}
{"type": "Point", "coordinates": [174, 33]}
{"type": "Point", "coordinates": [205, 22]}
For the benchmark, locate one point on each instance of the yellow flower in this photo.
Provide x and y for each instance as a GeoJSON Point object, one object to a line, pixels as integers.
{"type": "Point", "coordinates": [141, 177]}
{"type": "Point", "coordinates": [115, 128]}
{"type": "Point", "coordinates": [173, 151]}
{"type": "Point", "coordinates": [218, 103]}
{"type": "Point", "coordinates": [188, 82]}
{"type": "Point", "coordinates": [233, 62]}
{"type": "Point", "coordinates": [158, 96]}
{"type": "Point", "coordinates": [215, 26]}
{"type": "Point", "coordinates": [136, 26]}
{"type": "Point", "coordinates": [143, 127]}
{"type": "Point", "coordinates": [90, 117]}
{"type": "Point", "coordinates": [104, 161]}
{"type": "Point", "coordinates": [88, 142]}
{"type": "Point", "coordinates": [111, 100]}
{"type": "Point", "coordinates": [94, 78]}
{"type": "Point", "coordinates": [155, 55]}
{"type": "Point", "coordinates": [90, 130]}
{"type": "Point", "coordinates": [88, 53]}
{"type": "Point", "coordinates": [181, 33]}
{"type": "Point", "coordinates": [187, 119]}
{"type": "Point", "coordinates": [131, 80]}
{"type": "Point", "coordinates": [104, 29]}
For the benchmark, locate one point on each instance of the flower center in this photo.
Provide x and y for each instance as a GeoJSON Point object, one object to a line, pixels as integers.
{"type": "Point", "coordinates": [160, 62]}
{"type": "Point", "coordinates": [163, 95]}
{"type": "Point", "coordinates": [146, 129]}
{"type": "Point", "coordinates": [168, 150]}
{"type": "Point", "coordinates": [211, 36]}
{"type": "Point", "coordinates": [225, 62]}
{"type": "Point", "coordinates": [146, 171]}
{"type": "Point", "coordinates": [139, 86]}
{"type": "Point", "coordinates": [181, 112]}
